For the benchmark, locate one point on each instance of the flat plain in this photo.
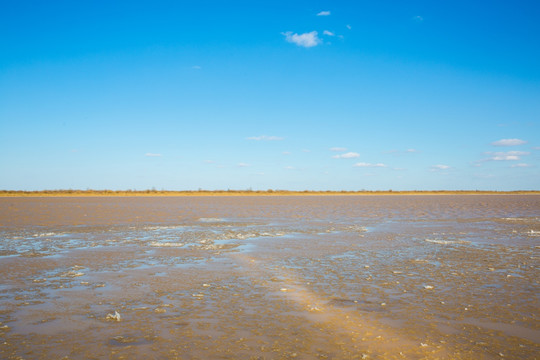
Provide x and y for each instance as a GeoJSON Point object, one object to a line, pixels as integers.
{"type": "Point", "coordinates": [270, 277]}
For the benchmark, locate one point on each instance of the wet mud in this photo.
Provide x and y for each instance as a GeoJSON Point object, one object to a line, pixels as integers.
{"type": "Point", "coordinates": [288, 277]}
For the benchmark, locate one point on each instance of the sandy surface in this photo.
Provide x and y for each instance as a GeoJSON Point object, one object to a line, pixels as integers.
{"type": "Point", "coordinates": [376, 277]}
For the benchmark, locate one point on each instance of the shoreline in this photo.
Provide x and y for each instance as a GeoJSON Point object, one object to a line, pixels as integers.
{"type": "Point", "coordinates": [152, 193]}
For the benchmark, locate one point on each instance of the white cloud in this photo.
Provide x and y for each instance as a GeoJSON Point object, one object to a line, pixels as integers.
{"type": "Point", "coordinates": [329, 33]}
{"type": "Point", "coordinates": [152, 155]}
{"type": "Point", "coordinates": [196, 67]}
{"type": "Point", "coordinates": [363, 164]}
{"type": "Point", "coordinates": [324, 13]}
{"type": "Point", "coordinates": [289, 167]}
{"type": "Point", "coordinates": [307, 40]}
{"type": "Point", "coordinates": [411, 150]}
{"type": "Point", "coordinates": [506, 156]}
{"type": "Point", "coordinates": [265, 138]}
{"type": "Point", "coordinates": [440, 167]}
{"type": "Point", "coordinates": [349, 155]}
{"type": "Point", "coordinates": [418, 18]}
{"type": "Point", "coordinates": [306, 150]}
{"type": "Point", "coordinates": [508, 142]}
{"type": "Point", "coordinates": [209, 161]}
{"type": "Point", "coordinates": [338, 149]}
{"type": "Point", "coordinates": [286, 153]}
{"type": "Point", "coordinates": [243, 165]}
{"type": "Point", "coordinates": [348, 27]}
{"type": "Point", "coordinates": [522, 165]}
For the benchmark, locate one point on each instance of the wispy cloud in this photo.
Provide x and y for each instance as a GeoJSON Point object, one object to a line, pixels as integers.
{"type": "Point", "coordinates": [243, 165]}
{"type": "Point", "coordinates": [400, 152]}
{"type": "Point", "coordinates": [152, 155]}
{"type": "Point", "coordinates": [521, 165]}
{"type": "Point", "coordinates": [209, 161]}
{"type": "Point", "coordinates": [508, 142]}
{"type": "Point", "coordinates": [328, 33]}
{"type": "Point", "coordinates": [338, 149]}
{"type": "Point", "coordinates": [348, 27]}
{"type": "Point", "coordinates": [440, 167]}
{"type": "Point", "coordinates": [349, 155]}
{"type": "Point", "coordinates": [363, 164]}
{"type": "Point", "coordinates": [418, 18]}
{"type": "Point", "coordinates": [265, 138]}
{"type": "Point", "coordinates": [289, 167]}
{"type": "Point", "coordinates": [307, 40]}
{"type": "Point", "coordinates": [324, 13]}
{"type": "Point", "coordinates": [286, 153]}
{"type": "Point", "coordinates": [506, 156]}
{"type": "Point", "coordinates": [196, 67]}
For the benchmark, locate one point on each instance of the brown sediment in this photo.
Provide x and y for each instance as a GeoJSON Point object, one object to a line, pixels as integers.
{"type": "Point", "coordinates": [376, 277]}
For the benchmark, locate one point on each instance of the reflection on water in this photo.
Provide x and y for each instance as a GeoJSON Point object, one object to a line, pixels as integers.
{"type": "Point", "coordinates": [270, 277]}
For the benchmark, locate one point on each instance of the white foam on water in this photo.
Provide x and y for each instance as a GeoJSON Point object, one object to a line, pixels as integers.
{"type": "Point", "coordinates": [171, 227]}
{"type": "Point", "coordinates": [358, 228]}
{"type": "Point", "coordinates": [211, 220]}
{"type": "Point", "coordinates": [44, 234]}
{"type": "Point", "coordinates": [277, 234]}
{"type": "Point", "coordinates": [446, 242]}
{"type": "Point", "coordinates": [251, 235]}
{"type": "Point", "coordinates": [166, 244]}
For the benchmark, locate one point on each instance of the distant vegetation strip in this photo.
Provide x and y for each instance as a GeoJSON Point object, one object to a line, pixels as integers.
{"type": "Point", "coordinates": [153, 192]}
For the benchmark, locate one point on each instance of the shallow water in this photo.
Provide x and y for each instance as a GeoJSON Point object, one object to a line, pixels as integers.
{"type": "Point", "coordinates": [304, 277]}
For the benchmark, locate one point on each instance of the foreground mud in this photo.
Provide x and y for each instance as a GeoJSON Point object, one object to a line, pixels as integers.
{"type": "Point", "coordinates": [359, 277]}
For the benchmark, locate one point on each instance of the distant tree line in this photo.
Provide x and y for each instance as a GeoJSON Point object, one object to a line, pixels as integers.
{"type": "Point", "coordinates": [153, 191]}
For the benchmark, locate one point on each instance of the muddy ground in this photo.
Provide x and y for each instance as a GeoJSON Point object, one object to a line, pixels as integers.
{"type": "Point", "coordinates": [318, 277]}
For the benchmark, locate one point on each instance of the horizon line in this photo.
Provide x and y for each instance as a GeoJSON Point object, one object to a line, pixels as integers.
{"type": "Point", "coordinates": [155, 192]}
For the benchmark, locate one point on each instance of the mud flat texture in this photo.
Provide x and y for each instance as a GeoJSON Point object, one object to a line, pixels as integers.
{"type": "Point", "coordinates": [315, 277]}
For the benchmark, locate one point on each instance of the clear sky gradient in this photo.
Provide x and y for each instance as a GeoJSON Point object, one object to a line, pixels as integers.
{"type": "Point", "coordinates": [318, 95]}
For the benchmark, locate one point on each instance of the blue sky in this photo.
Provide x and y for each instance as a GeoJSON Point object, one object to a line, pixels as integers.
{"type": "Point", "coordinates": [319, 95]}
